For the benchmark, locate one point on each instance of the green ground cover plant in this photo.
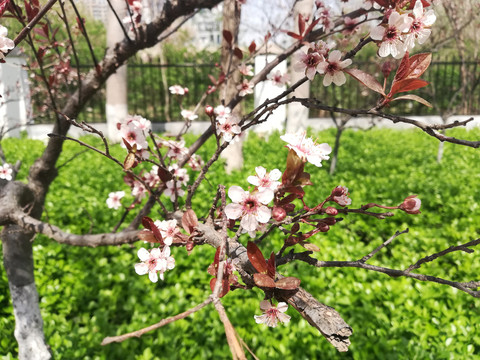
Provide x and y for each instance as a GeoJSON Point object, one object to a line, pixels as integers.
{"type": "Point", "coordinates": [87, 294]}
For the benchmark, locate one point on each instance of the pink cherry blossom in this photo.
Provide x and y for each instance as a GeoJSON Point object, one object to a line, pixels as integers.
{"type": "Point", "coordinates": [195, 162]}
{"type": "Point", "coordinates": [340, 196]}
{"type": "Point", "coordinates": [178, 90]}
{"type": "Point", "coordinates": [264, 180]}
{"type": "Point", "coordinates": [6, 171]}
{"type": "Point", "coordinates": [150, 263]}
{"type": "Point", "coordinates": [249, 206]}
{"type": "Point", "coordinates": [140, 122]}
{"type": "Point", "coordinates": [168, 230]}
{"type": "Point", "coordinates": [246, 70]}
{"type": "Point", "coordinates": [152, 178]}
{"type": "Point", "coordinates": [174, 189]}
{"type": "Point", "coordinates": [133, 135]}
{"type": "Point", "coordinates": [227, 127]}
{"type": "Point", "coordinates": [189, 115]}
{"type": "Point", "coordinates": [278, 79]}
{"type": "Point", "coordinates": [307, 63]}
{"type": "Point", "coordinates": [420, 27]}
{"type": "Point", "coordinates": [245, 88]}
{"type": "Point", "coordinates": [333, 69]}
{"type": "Point", "coordinates": [177, 149]}
{"type": "Point", "coordinates": [391, 36]}
{"type": "Point", "coordinates": [138, 190]}
{"type": "Point", "coordinates": [113, 201]}
{"type": "Point", "coordinates": [306, 148]}
{"type": "Point", "coordinates": [6, 44]}
{"type": "Point", "coordinates": [272, 314]}
{"type": "Point", "coordinates": [222, 111]}
{"type": "Point", "coordinates": [155, 263]}
{"type": "Point", "coordinates": [180, 174]}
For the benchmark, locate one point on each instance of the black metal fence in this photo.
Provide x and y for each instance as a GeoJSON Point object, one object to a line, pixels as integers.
{"type": "Point", "coordinates": [148, 93]}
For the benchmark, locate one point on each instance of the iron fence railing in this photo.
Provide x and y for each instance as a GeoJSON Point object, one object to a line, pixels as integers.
{"type": "Point", "coordinates": [148, 93]}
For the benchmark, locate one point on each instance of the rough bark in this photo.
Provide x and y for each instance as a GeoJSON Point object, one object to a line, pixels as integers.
{"type": "Point", "coordinates": [231, 22]}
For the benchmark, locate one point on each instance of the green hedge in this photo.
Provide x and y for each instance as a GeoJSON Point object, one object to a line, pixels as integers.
{"type": "Point", "coordinates": [87, 294]}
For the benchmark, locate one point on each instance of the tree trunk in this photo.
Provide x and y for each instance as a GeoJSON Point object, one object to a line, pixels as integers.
{"type": "Point", "coordinates": [231, 21]}
{"type": "Point", "coordinates": [116, 108]}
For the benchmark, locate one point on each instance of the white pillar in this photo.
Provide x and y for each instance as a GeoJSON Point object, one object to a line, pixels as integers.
{"type": "Point", "coordinates": [267, 90]}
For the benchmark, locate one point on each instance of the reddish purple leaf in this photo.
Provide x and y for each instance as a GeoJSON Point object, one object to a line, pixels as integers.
{"type": "Point", "coordinates": [366, 79]}
{"type": "Point", "coordinates": [224, 289]}
{"type": "Point", "coordinates": [189, 221]}
{"type": "Point", "coordinates": [407, 85]}
{"type": "Point", "coordinates": [256, 258]}
{"type": "Point", "coordinates": [301, 24]}
{"type": "Point", "coordinates": [150, 225]}
{"type": "Point", "coordinates": [227, 35]}
{"type": "Point", "coordinates": [3, 6]}
{"type": "Point", "coordinates": [252, 47]}
{"type": "Point", "coordinates": [418, 64]}
{"type": "Point", "coordinates": [271, 267]}
{"type": "Point", "coordinates": [263, 281]}
{"type": "Point", "coordinates": [129, 161]}
{"type": "Point", "coordinates": [164, 174]}
{"type": "Point", "coordinates": [414, 98]}
{"type": "Point", "coordinates": [295, 36]}
{"type": "Point", "coordinates": [295, 166]}
{"type": "Point", "coordinates": [147, 235]}
{"type": "Point", "coordinates": [238, 53]}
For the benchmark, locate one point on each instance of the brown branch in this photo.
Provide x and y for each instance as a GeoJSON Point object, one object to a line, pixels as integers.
{"type": "Point", "coordinates": [386, 243]}
{"type": "Point", "coordinates": [138, 333]}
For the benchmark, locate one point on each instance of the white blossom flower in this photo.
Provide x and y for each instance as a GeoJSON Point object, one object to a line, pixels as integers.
{"type": "Point", "coordinates": [340, 196]}
{"type": "Point", "coordinates": [306, 148]}
{"type": "Point", "coordinates": [6, 172]}
{"type": "Point", "coordinates": [133, 135]}
{"type": "Point", "coordinates": [250, 207]}
{"type": "Point", "coordinates": [227, 127]}
{"type": "Point", "coordinates": [333, 69]}
{"type": "Point", "coordinates": [6, 44]}
{"type": "Point", "coordinates": [138, 190]}
{"type": "Point", "coordinates": [151, 263]}
{"type": "Point", "coordinates": [222, 112]}
{"type": "Point", "coordinates": [420, 27]}
{"type": "Point", "coordinates": [391, 37]}
{"type": "Point", "coordinates": [174, 189]}
{"type": "Point", "coordinates": [189, 115]}
{"type": "Point", "coordinates": [245, 88]}
{"type": "Point", "coordinates": [155, 262]}
{"type": "Point", "coordinates": [178, 90]}
{"type": "Point", "coordinates": [168, 229]}
{"type": "Point", "coordinates": [265, 180]}
{"type": "Point", "coordinates": [272, 314]}
{"type": "Point", "coordinates": [176, 149]}
{"type": "Point", "coordinates": [246, 70]}
{"type": "Point", "coordinates": [180, 174]}
{"type": "Point", "coordinates": [278, 79]}
{"type": "Point", "coordinates": [113, 201]}
{"type": "Point", "coordinates": [307, 63]}
{"type": "Point", "coordinates": [141, 123]}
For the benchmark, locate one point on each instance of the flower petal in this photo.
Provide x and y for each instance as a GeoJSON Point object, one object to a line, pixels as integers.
{"type": "Point", "coordinates": [143, 254]}
{"type": "Point", "coordinates": [141, 268]}
{"type": "Point", "coordinates": [233, 211]}
{"type": "Point", "coordinates": [236, 193]}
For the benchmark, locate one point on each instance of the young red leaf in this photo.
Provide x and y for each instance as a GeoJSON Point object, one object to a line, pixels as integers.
{"type": "Point", "coordinates": [147, 235]}
{"type": "Point", "coordinates": [303, 179]}
{"type": "Point", "coordinates": [223, 290]}
{"type": "Point", "coordinates": [252, 47]}
{"type": "Point", "coordinates": [311, 26]}
{"type": "Point", "coordinates": [366, 79]}
{"type": "Point", "coordinates": [189, 221]}
{"type": "Point", "coordinates": [227, 35]}
{"type": "Point", "coordinates": [263, 281]}
{"type": "Point", "coordinates": [414, 98]}
{"type": "Point", "coordinates": [256, 258]}
{"type": "Point", "coordinates": [288, 283]}
{"type": "Point", "coordinates": [150, 225]}
{"type": "Point", "coordinates": [295, 166]}
{"type": "Point", "coordinates": [418, 64]}
{"type": "Point", "coordinates": [295, 36]}
{"type": "Point", "coordinates": [402, 70]}
{"type": "Point", "coordinates": [164, 174]}
{"type": "Point", "coordinates": [3, 6]}
{"type": "Point", "coordinates": [238, 53]}
{"type": "Point", "coordinates": [407, 85]}
{"type": "Point", "coordinates": [301, 24]}
{"type": "Point", "coordinates": [271, 267]}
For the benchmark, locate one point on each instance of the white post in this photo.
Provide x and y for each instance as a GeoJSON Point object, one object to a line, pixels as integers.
{"type": "Point", "coordinates": [267, 90]}
{"type": "Point", "coordinates": [116, 90]}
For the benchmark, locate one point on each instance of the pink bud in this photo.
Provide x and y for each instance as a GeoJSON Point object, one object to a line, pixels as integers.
{"type": "Point", "coordinates": [190, 245]}
{"type": "Point", "coordinates": [279, 213]}
{"type": "Point", "coordinates": [331, 211]}
{"type": "Point", "coordinates": [387, 68]}
{"type": "Point", "coordinates": [209, 110]}
{"type": "Point", "coordinates": [324, 228]}
{"type": "Point", "coordinates": [185, 90]}
{"type": "Point", "coordinates": [338, 191]}
{"type": "Point", "coordinates": [411, 205]}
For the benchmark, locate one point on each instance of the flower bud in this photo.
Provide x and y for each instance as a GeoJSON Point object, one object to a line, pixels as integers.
{"type": "Point", "coordinates": [338, 191]}
{"type": "Point", "coordinates": [331, 211]}
{"type": "Point", "coordinates": [209, 110]}
{"type": "Point", "coordinates": [324, 228]}
{"type": "Point", "coordinates": [291, 240]}
{"type": "Point", "coordinates": [279, 213]}
{"type": "Point", "coordinates": [387, 68]}
{"type": "Point", "coordinates": [329, 221]}
{"type": "Point", "coordinates": [190, 245]}
{"type": "Point", "coordinates": [411, 205]}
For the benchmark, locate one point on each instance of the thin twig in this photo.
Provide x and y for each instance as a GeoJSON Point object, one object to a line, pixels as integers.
{"type": "Point", "coordinates": [386, 243]}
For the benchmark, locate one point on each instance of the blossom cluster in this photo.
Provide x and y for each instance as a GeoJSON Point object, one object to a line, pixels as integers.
{"type": "Point", "coordinates": [227, 123]}
{"type": "Point", "coordinates": [320, 59]}
{"type": "Point", "coordinates": [306, 148]}
{"type": "Point", "coordinates": [398, 33]}
{"type": "Point", "coordinates": [6, 44]}
{"type": "Point", "coordinates": [6, 172]}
